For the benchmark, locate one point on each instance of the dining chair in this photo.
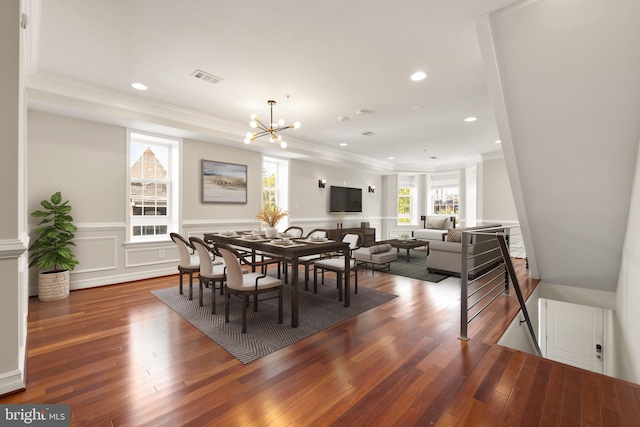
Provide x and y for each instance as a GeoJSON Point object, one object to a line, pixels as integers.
{"type": "Point", "coordinates": [293, 232]}
{"type": "Point", "coordinates": [308, 260]}
{"type": "Point", "coordinates": [189, 262]}
{"type": "Point", "coordinates": [246, 285]}
{"type": "Point", "coordinates": [336, 265]}
{"type": "Point", "coordinates": [209, 274]}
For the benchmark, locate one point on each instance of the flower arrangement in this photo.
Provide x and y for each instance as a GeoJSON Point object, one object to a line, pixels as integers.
{"type": "Point", "coordinates": [270, 215]}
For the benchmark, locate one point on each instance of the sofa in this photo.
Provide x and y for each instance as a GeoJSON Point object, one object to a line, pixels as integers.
{"type": "Point", "coordinates": [380, 254]}
{"type": "Point", "coordinates": [445, 257]}
{"type": "Point", "coordinates": [435, 227]}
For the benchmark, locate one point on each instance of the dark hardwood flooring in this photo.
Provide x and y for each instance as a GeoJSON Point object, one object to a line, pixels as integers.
{"type": "Point", "coordinates": [120, 357]}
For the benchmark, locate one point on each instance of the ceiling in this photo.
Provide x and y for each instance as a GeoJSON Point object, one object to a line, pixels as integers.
{"type": "Point", "coordinates": [319, 61]}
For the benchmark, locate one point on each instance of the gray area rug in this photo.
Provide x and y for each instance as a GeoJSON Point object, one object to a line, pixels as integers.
{"type": "Point", "coordinates": [264, 334]}
{"type": "Point", "coordinates": [416, 268]}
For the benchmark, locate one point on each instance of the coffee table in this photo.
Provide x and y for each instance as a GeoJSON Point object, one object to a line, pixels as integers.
{"type": "Point", "coordinates": [407, 244]}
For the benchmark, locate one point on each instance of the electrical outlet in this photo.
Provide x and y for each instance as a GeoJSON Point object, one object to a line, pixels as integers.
{"type": "Point", "coordinates": [160, 254]}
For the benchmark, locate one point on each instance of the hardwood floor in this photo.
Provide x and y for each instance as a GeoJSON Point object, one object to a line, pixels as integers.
{"type": "Point", "coordinates": [120, 357]}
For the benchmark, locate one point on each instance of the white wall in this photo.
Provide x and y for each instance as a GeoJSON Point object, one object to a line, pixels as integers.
{"type": "Point", "coordinates": [497, 199]}
{"type": "Point", "coordinates": [13, 235]}
{"type": "Point", "coordinates": [628, 292]}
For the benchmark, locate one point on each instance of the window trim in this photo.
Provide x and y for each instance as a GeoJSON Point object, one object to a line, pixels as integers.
{"type": "Point", "coordinates": [174, 187]}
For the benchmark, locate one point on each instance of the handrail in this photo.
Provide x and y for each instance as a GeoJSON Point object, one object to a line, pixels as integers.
{"type": "Point", "coordinates": [516, 286]}
{"type": "Point", "coordinates": [503, 235]}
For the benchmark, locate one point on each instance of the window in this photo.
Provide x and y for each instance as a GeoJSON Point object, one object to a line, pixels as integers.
{"type": "Point", "coordinates": [444, 191]}
{"type": "Point", "coordinates": [153, 190]}
{"type": "Point", "coordinates": [275, 185]}
{"type": "Point", "coordinates": [406, 199]}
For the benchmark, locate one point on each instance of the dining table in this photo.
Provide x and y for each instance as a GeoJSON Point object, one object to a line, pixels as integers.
{"type": "Point", "coordinates": [292, 250]}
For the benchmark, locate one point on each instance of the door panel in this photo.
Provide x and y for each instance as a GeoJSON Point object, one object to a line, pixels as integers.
{"type": "Point", "coordinates": [574, 334]}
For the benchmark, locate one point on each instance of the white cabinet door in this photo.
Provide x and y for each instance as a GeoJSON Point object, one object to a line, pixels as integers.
{"type": "Point", "coordinates": [574, 334]}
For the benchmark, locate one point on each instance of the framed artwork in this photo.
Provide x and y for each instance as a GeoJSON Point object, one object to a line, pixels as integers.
{"type": "Point", "coordinates": [223, 182]}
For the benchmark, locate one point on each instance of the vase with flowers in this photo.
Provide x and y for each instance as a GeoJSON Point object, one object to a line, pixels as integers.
{"type": "Point", "coordinates": [270, 215]}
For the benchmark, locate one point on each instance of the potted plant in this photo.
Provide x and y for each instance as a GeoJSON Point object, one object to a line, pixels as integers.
{"type": "Point", "coordinates": [51, 252]}
{"type": "Point", "coordinates": [270, 215]}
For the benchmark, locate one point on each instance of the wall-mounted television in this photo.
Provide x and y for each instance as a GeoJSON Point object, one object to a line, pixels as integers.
{"type": "Point", "coordinates": [345, 199]}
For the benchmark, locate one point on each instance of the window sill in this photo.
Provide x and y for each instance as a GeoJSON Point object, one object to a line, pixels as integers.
{"type": "Point", "coordinates": [144, 244]}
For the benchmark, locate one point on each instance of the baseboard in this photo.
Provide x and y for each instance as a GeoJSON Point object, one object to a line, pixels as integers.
{"type": "Point", "coordinates": [12, 382]}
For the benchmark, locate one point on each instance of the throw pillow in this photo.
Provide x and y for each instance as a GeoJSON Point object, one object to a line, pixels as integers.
{"type": "Point", "coordinates": [455, 235]}
{"type": "Point", "coordinates": [436, 223]}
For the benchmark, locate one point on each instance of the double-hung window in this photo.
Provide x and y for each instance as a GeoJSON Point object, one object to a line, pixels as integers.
{"type": "Point", "coordinates": [407, 199]}
{"type": "Point", "coordinates": [275, 185]}
{"type": "Point", "coordinates": [153, 171]}
{"type": "Point", "coordinates": [444, 194]}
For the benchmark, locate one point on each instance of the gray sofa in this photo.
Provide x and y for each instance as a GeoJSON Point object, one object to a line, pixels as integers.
{"type": "Point", "coordinates": [435, 227]}
{"type": "Point", "coordinates": [445, 257]}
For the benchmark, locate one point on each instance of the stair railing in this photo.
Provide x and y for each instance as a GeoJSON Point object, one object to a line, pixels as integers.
{"type": "Point", "coordinates": [486, 282]}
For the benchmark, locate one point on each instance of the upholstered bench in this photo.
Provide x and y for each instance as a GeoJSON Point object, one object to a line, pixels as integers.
{"type": "Point", "coordinates": [381, 254]}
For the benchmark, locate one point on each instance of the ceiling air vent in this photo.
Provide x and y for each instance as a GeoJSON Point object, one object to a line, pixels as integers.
{"type": "Point", "coordinates": [199, 74]}
{"type": "Point", "coordinates": [368, 133]}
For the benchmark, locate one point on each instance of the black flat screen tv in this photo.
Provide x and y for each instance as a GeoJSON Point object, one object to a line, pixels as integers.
{"type": "Point", "coordinates": [345, 199]}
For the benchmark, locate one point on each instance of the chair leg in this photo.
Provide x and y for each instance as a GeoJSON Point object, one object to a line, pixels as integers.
{"type": "Point", "coordinates": [226, 308]}
{"type": "Point", "coordinates": [306, 277]}
{"type": "Point", "coordinates": [201, 289]}
{"type": "Point", "coordinates": [181, 293]}
{"type": "Point", "coordinates": [280, 298]}
{"type": "Point", "coordinates": [213, 298]}
{"type": "Point", "coordinates": [339, 280]}
{"type": "Point", "coordinates": [245, 302]}
{"type": "Point", "coordinates": [315, 279]}
{"type": "Point", "coordinates": [190, 286]}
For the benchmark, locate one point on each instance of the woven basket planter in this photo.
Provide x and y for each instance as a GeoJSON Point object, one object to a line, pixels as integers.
{"type": "Point", "coordinates": [53, 286]}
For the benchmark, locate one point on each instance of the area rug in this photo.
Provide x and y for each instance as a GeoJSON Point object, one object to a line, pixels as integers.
{"type": "Point", "coordinates": [416, 268]}
{"type": "Point", "coordinates": [264, 334]}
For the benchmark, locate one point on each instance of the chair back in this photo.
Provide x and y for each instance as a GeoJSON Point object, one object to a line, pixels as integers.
{"type": "Point", "coordinates": [234, 269]}
{"type": "Point", "coordinates": [184, 248]}
{"type": "Point", "coordinates": [352, 240]}
{"type": "Point", "coordinates": [206, 266]}
{"type": "Point", "coordinates": [318, 232]}
{"type": "Point", "coordinates": [293, 232]}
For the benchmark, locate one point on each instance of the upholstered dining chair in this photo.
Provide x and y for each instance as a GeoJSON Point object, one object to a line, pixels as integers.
{"type": "Point", "coordinates": [293, 232]}
{"type": "Point", "coordinates": [336, 265]}
{"type": "Point", "coordinates": [308, 260]}
{"type": "Point", "coordinates": [208, 274]}
{"type": "Point", "coordinates": [189, 262]}
{"type": "Point", "coordinates": [246, 285]}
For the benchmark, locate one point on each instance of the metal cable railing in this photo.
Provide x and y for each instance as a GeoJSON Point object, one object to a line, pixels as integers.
{"type": "Point", "coordinates": [485, 277]}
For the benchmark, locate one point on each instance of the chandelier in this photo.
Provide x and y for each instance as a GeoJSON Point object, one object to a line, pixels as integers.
{"type": "Point", "coordinates": [272, 130]}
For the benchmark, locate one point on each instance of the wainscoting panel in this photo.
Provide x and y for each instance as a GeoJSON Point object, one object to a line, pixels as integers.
{"type": "Point", "coordinates": [95, 254]}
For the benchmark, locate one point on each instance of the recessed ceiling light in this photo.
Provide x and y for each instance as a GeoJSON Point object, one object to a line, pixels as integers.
{"type": "Point", "coordinates": [498, 142]}
{"type": "Point", "coordinates": [138, 86]}
{"type": "Point", "coordinates": [391, 158]}
{"type": "Point", "coordinates": [343, 144]}
{"type": "Point", "coordinates": [419, 75]}
{"type": "Point", "coordinates": [470, 119]}
{"type": "Point", "coordinates": [417, 107]}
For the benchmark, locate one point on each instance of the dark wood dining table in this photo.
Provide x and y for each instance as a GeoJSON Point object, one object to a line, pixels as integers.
{"type": "Point", "coordinates": [292, 252]}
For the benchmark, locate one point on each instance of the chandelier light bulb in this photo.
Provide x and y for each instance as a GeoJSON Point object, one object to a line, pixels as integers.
{"type": "Point", "coordinates": [270, 130]}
